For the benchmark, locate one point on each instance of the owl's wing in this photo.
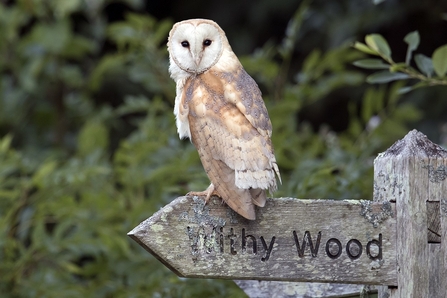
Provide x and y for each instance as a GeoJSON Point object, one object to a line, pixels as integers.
{"type": "Point", "coordinates": [228, 120]}
{"type": "Point", "coordinates": [259, 166]}
{"type": "Point", "coordinates": [242, 91]}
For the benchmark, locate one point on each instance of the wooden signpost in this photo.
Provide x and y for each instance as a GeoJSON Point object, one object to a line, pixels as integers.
{"type": "Point", "coordinates": [382, 242]}
{"type": "Point", "coordinates": [292, 240]}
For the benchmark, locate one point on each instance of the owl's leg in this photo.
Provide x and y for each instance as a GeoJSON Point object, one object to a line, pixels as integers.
{"type": "Point", "coordinates": [207, 193]}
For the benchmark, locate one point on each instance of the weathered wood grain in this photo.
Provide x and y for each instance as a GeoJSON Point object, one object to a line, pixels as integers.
{"type": "Point", "coordinates": [413, 174]}
{"type": "Point", "coordinates": [281, 289]}
{"type": "Point", "coordinates": [438, 270]}
{"type": "Point", "coordinates": [291, 240]}
{"type": "Point", "coordinates": [433, 222]}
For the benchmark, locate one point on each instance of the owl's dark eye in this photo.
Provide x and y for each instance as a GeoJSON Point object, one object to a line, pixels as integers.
{"type": "Point", "coordinates": [207, 42]}
{"type": "Point", "coordinates": [185, 44]}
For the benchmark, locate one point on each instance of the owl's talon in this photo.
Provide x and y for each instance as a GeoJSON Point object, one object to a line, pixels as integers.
{"type": "Point", "coordinates": [207, 193]}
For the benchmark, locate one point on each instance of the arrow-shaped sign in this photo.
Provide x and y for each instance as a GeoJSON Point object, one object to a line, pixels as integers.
{"type": "Point", "coordinates": [345, 241]}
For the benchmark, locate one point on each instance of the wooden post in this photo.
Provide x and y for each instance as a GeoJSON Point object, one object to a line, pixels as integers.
{"type": "Point", "coordinates": [412, 173]}
{"type": "Point", "coordinates": [398, 242]}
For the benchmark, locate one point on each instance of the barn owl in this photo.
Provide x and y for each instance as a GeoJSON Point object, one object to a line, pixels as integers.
{"type": "Point", "coordinates": [219, 107]}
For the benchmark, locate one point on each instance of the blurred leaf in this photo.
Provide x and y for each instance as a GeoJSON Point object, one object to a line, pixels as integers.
{"type": "Point", "coordinates": [72, 268]}
{"type": "Point", "coordinates": [292, 29]}
{"type": "Point", "coordinates": [312, 60]}
{"type": "Point", "coordinates": [407, 112]}
{"type": "Point", "coordinates": [134, 104]}
{"type": "Point", "coordinates": [134, 31]}
{"type": "Point", "coordinates": [425, 64]}
{"type": "Point", "coordinates": [379, 44]}
{"type": "Point", "coordinates": [385, 77]}
{"type": "Point", "coordinates": [42, 173]}
{"type": "Point", "coordinates": [5, 143]}
{"type": "Point", "coordinates": [93, 136]}
{"type": "Point", "coordinates": [72, 76]}
{"type": "Point", "coordinates": [372, 102]}
{"type": "Point", "coordinates": [123, 33]}
{"type": "Point", "coordinates": [393, 94]}
{"type": "Point", "coordinates": [371, 64]}
{"type": "Point", "coordinates": [108, 64]}
{"type": "Point", "coordinates": [368, 106]}
{"type": "Point", "coordinates": [135, 4]}
{"type": "Point", "coordinates": [365, 49]}
{"type": "Point", "coordinates": [66, 7]}
{"type": "Point", "coordinates": [11, 20]}
{"type": "Point", "coordinates": [77, 47]}
{"type": "Point", "coordinates": [30, 72]}
{"type": "Point", "coordinates": [52, 38]}
{"type": "Point", "coordinates": [412, 39]}
{"type": "Point", "coordinates": [407, 89]}
{"type": "Point", "coordinates": [398, 67]}
{"type": "Point", "coordinates": [162, 30]}
{"type": "Point", "coordinates": [439, 59]}
{"type": "Point", "coordinates": [140, 21]}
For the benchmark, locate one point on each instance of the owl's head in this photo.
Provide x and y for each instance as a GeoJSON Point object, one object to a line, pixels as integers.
{"type": "Point", "coordinates": [196, 45]}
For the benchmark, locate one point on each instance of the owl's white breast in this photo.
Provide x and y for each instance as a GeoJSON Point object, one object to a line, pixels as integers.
{"type": "Point", "coordinates": [227, 62]}
{"type": "Point", "coordinates": [181, 115]}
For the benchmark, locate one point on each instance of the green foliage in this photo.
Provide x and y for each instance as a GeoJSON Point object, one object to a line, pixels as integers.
{"type": "Point", "coordinates": [378, 46]}
{"type": "Point", "coordinates": [79, 170]}
{"type": "Point", "coordinates": [440, 60]}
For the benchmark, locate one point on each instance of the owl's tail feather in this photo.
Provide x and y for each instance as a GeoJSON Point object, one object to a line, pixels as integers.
{"type": "Point", "coordinates": [223, 179]}
{"type": "Point", "coordinates": [258, 197]}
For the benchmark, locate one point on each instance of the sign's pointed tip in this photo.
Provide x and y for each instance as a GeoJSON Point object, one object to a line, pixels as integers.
{"type": "Point", "coordinates": [133, 232]}
{"type": "Point", "coordinates": [139, 231]}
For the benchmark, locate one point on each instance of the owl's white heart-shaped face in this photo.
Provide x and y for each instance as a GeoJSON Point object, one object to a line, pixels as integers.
{"type": "Point", "coordinates": [195, 45]}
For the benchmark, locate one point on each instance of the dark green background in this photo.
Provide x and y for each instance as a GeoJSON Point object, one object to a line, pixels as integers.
{"type": "Point", "coordinates": [89, 148]}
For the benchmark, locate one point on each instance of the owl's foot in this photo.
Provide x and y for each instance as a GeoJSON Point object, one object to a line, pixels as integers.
{"type": "Point", "coordinates": [207, 193]}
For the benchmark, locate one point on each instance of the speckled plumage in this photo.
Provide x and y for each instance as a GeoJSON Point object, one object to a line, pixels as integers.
{"type": "Point", "coordinates": [220, 108]}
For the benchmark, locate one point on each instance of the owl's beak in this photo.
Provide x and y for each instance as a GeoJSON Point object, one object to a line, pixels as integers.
{"type": "Point", "coordinates": [197, 59]}
{"type": "Point", "coordinates": [196, 54]}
